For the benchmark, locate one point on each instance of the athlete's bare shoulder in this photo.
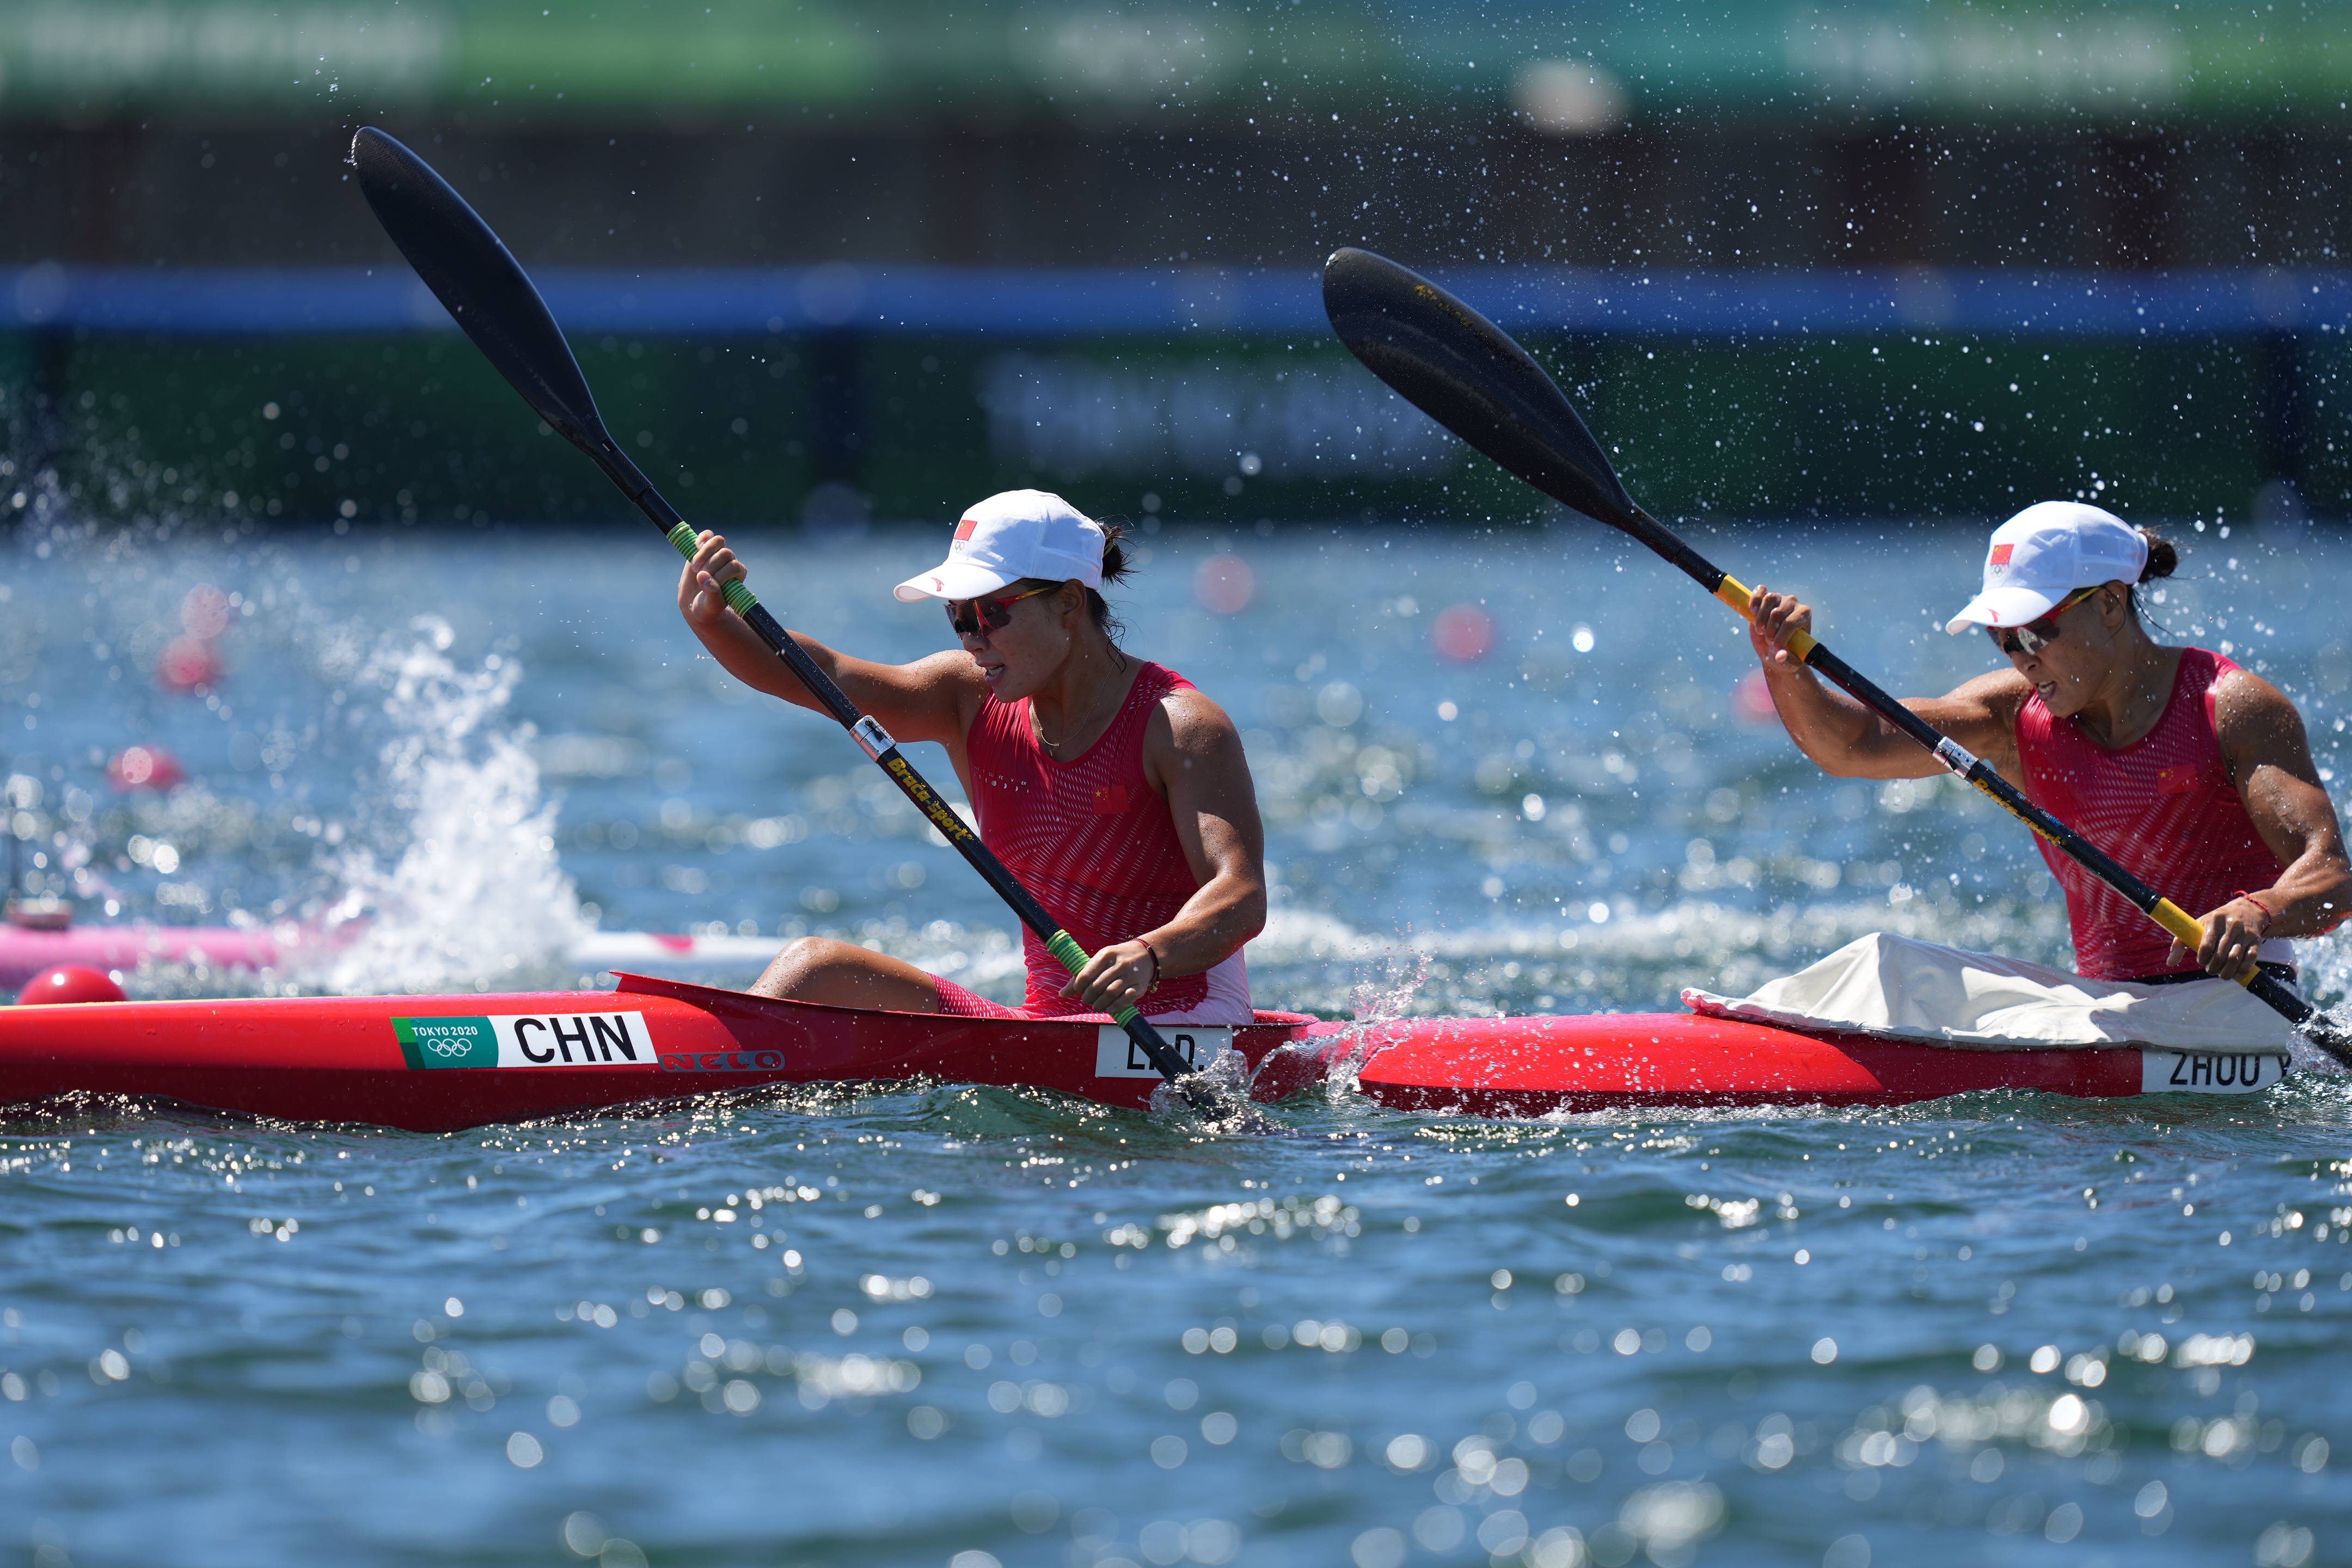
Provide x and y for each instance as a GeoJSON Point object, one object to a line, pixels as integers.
{"type": "Point", "coordinates": [948, 669]}
{"type": "Point", "coordinates": [1188, 732]}
{"type": "Point", "coordinates": [2001, 693]}
{"type": "Point", "coordinates": [948, 685]}
{"type": "Point", "coordinates": [1980, 713]}
{"type": "Point", "coordinates": [2249, 712]}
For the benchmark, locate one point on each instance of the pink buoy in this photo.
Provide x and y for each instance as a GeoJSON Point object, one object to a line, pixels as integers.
{"type": "Point", "coordinates": [1225, 585]}
{"type": "Point", "coordinates": [189, 663]}
{"type": "Point", "coordinates": [70, 983]}
{"type": "Point", "coordinates": [1464, 634]}
{"type": "Point", "coordinates": [1751, 699]}
{"type": "Point", "coordinates": [145, 767]}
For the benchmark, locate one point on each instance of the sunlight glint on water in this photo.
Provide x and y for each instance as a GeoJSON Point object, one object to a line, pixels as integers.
{"type": "Point", "coordinates": [898, 1325]}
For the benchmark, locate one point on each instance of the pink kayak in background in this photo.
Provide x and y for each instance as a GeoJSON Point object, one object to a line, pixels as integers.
{"type": "Point", "coordinates": [40, 938]}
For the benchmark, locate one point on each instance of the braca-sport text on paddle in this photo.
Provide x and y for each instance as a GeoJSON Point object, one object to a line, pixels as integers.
{"type": "Point", "coordinates": [1467, 374]}
{"type": "Point", "coordinates": [472, 273]}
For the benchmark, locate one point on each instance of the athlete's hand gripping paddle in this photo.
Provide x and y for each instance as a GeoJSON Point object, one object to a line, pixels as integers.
{"type": "Point", "coordinates": [1467, 374]}
{"type": "Point", "coordinates": [465, 264]}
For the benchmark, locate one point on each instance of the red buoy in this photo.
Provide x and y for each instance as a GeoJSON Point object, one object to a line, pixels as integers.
{"type": "Point", "coordinates": [189, 663]}
{"type": "Point", "coordinates": [1751, 699]}
{"type": "Point", "coordinates": [145, 767]}
{"type": "Point", "coordinates": [70, 983]}
{"type": "Point", "coordinates": [1225, 585]}
{"type": "Point", "coordinates": [1464, 634]}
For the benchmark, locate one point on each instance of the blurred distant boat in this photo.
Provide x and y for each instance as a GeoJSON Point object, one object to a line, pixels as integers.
{"type": "Point", "coordinates": [38, 941]}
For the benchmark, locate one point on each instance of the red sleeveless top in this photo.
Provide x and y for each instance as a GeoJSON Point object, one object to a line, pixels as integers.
{"type": "Point", "coordinates": [2164, 806]}
{"type": "Point", "coordinates": [1090, 837]}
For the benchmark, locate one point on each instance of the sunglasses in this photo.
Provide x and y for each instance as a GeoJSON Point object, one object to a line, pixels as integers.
{"type": "Point", "coordinates": [2029, 639]}
{"type": "Point", "coordinates": [978, 618]}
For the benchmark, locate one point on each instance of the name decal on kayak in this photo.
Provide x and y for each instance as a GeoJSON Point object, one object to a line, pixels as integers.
{"type": "Point", "coordinates": [2204, 1072]}
{"type": "Point", "coordinates": [1116, 1056]}
{"type": "Point", "coordinates": [722, 1061]}
{"type": "Point", "coordinates": [528, 1040]}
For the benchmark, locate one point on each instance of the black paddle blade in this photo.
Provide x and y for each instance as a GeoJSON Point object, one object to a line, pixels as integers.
{"type": "Point", "coordinates": [1466, 374]}
{"type": "Point", "coordinates": [472, 273]}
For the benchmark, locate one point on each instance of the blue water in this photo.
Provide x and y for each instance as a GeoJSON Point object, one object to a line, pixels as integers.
{"type": "Point", "coordinates": [943, 1325]}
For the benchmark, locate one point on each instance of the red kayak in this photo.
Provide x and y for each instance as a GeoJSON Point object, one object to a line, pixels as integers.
{"type": "Point", "coordinates": [439, 1063]}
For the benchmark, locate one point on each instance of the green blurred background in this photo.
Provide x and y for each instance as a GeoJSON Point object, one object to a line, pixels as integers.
{"type": "Point", "coordinates": [1006, 150]}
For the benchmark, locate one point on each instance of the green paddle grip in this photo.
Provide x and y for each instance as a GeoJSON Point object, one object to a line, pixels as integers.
{"type": "Point", "coordinates": [1065, 947]}
{"type": "Point", "coordinates": [737, 594]}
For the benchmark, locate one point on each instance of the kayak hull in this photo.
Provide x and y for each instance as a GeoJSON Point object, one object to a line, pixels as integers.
{"type": "Point", "coordinates": [432, 1064]}
{"type": "Point", "coordinates": [1543, 1066]}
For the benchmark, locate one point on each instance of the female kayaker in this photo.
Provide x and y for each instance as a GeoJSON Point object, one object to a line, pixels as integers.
{"type": "Point", "coordinates": [1114, 791]}
{"type": "Point", "coordinates": [2191, 771]}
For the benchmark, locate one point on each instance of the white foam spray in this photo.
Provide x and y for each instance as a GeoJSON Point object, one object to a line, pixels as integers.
{"type": "Point", "coordinates": [475, 897]}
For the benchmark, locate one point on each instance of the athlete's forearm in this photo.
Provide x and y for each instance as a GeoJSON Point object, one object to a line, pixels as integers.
{"type": "Point", "coordinates": [2311, 899]}
{"type": "Point", "coordinates": [1211, 927]}
{"type": "Point", "coordinates": [1828, 727]}
{"type": "Point", "coordinates": [742, 654]}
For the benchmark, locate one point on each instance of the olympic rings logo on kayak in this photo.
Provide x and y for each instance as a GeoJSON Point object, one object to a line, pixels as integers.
{"type": "Point", "coordinates": [722, 1061]}
{"type": "Point", "coordinates": [449, 1047]}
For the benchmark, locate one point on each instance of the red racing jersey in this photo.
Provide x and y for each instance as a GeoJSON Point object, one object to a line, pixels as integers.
{"type": "Point", "coordinates": [2165, 807]}
{"type": "Point", "coordinates": [1094, 842]}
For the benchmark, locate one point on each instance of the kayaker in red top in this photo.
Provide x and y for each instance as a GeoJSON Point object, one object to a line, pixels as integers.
{"type": "Point", "coordinates": [1116, 792]}
{"type": "Point", "coordinates": [2191, 771]}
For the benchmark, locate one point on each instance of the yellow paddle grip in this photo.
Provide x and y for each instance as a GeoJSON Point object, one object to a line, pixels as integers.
{"type": "Point", "coordinates": [2187, 930]}
{"type": "Point", "coordinates": [1736, 593]}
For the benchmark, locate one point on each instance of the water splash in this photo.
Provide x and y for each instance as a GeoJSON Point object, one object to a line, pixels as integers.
{"type": "Point", "coordinates": [475, 896]}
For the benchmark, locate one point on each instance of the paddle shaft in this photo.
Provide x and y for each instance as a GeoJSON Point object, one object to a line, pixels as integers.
{"type": "Point", "coordinates": [2184, 927]}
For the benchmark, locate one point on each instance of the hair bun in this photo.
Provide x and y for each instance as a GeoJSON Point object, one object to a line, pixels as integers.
{"type": "Point", "coordinates": [1115, 564]}
{"type": "Point", "coordinates": [2163, 558]}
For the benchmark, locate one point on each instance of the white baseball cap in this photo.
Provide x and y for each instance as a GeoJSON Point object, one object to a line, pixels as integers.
{"type": "Point", "coordinates": [2045, 553]}
{"type": "Point", "coordinates": [1011, 535]}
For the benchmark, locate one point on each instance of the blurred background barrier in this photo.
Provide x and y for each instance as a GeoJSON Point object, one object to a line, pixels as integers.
{"type": "Point", "coordinates": [830, 261]}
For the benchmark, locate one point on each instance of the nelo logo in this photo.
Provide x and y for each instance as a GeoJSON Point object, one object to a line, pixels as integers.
{"type": "Point", "coordinates": [722, 1061]}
